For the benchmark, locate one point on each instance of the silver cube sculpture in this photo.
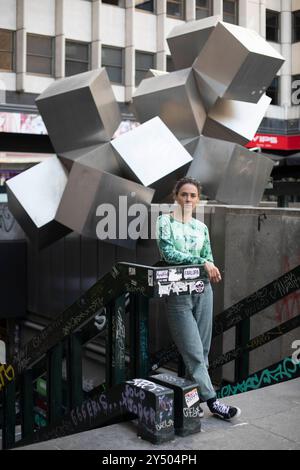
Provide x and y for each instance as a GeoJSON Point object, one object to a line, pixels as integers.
{"type": "Point", "coordinates": [100, 156]}
{"type": "Point", "coordinates": [79, 111]}
{"type": "Point", "coordinates": [152, 156]}
{"type": "Point", "coordinates": [218, 91]}
{"type": "Point", "coordinates": [228, 172]}
{"type": "Point", "coordinates": [186, 40]}
{"type": "Point", "coordinates": [91, 193]}
{"type": "Point", "coordinates": [175, 99]}
{"type": "Point", "coordinates": [235, 64]}
{"type": "Point", "coordinates": [235, 121]}
{"type": "Point", "coordinates": [33, 199]}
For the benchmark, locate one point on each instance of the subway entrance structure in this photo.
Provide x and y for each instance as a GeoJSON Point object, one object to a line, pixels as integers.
{"type": "Point", "coordinates": [193, 121]}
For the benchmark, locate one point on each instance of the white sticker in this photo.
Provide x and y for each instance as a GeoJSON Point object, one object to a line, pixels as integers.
{"type": "Point", "coordinates": [191, 397]}
{"type": "Point", "coordinates": [162, 275]}
{"type": "Point", "coordinates": [131, 271]}
{"type": "Point", "coordinates": [2, 352]}
{"type": "Point", "coordinates": [150, 277]}
{"type": "Point", "coordinates": [191, 273]}
{"type": "Point", "coordinates": [174, 275]}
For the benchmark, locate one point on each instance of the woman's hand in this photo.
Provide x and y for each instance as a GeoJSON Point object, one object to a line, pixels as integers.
{"type": "Point", "coordinates": [212, 271]}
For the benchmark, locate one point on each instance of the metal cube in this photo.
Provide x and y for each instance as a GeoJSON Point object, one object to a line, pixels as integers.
{"type": "Point", "coordinates": [235, 64]}
{"type": "Point", "coordinates": [99, 156]}
{"type": "Point", "coordinates": [175, 99]}
{"type": "Point", "coordinates": [187, 40]}
{"type": "Point", "coordinates": [151, 155]}
{"type": "Point", "coordinates": [33, 199]}
{"type": "Point", "coordinates": [235, 121]}
{"type": "Point", "coordinates": [80, 111]}
{"type": "Point", "coordinates": [228, 172]}
{"type": "Point", "coordinates": [155, 73]}
{"type": "Point", "coordinates": [89, 187]}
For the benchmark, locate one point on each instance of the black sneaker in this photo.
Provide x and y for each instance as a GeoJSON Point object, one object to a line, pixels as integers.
{"type": "Point", "coordinates": [224, 411]}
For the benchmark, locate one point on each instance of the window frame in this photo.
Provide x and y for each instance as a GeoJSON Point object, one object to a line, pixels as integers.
{"type": "Point", "coordinates": [115, 66]}
{"type": "Point", "coordinates": [277, 13]}
{"type": "Point", "coordinates": [209, 9]}
{"type": "Point", "coordinates": [12, 52]}
{"type": "Point", "coordinates": [277, 78]}
{"type": "Point", "coordinates": [88, 62]}
{"type": "Point", "coordinates": [235, 14]}
{"type": "Point", "coordinates": [176, 2]}
{"type": "Point", "coordinates": [295, 36]}
{"type": "Point", "coordinates": [141, 69]}
{"type": "Point", "coordinates": [51, 57]}
{"type": "Point", "coordinates": [151, 12]}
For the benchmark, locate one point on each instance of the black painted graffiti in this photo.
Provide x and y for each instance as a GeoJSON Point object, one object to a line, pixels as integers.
{"type": "Point", "coordinates": [257, 301]}
{"type": "Point", "coordinates": [164, 356]}
{"type": "Point", "coordinates": [257, 342]}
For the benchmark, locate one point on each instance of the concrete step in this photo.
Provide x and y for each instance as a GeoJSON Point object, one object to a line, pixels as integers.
{"type": "Point", "coordinates": [270, 420]}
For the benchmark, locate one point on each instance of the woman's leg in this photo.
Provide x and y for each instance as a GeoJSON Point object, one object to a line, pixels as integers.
{"type": "Point", "coordinates": [203, 313]}
{"type": "Point", "coordinates": [185, 334]}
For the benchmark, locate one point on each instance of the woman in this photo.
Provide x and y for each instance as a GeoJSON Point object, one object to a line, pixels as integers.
{"type": "Point", "coordinates": [183, 239]}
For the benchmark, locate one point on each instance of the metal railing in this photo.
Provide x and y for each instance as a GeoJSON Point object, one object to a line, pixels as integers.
{"type": "Point", "coordinates": [103, 307]}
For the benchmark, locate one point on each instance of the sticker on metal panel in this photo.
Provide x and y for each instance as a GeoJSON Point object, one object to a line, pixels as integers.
{"type": "Point", "coordinates": [191, 273]}
{"type": "Point", "coordinates": [162, 275]}
{"type": "Point", "coordinates": [174, 275]}
{"type": "Point", "coordinates": [150, 277]}
{"type": "Point", "coordinates": [191, 397]}
{"type": "Point", "coordinates": [131, 271]}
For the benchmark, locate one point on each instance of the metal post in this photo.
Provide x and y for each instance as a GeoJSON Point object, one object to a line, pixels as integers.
{"type": "Point", "coordinates": [9, 416]}
{"type": "Point", "coordinates": [74, 371]}
{"type": "Point", "coordinates": [27, 404]}
{"type": "Point", "coordinates": [54, 384]}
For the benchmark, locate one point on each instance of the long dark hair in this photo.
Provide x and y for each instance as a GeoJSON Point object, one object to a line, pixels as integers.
{"type": "Point", "coordinates": [186, 180]}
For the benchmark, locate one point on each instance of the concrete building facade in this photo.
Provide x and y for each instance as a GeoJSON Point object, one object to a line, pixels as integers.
{"type": "Point", "coordinates": [41, 41]}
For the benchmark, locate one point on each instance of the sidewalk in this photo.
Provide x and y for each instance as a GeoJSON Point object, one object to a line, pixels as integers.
{"type": "Point", "coordinates": [270, 420]}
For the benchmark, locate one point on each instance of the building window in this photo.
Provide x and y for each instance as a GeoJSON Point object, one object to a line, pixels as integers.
{"type": "Point", "coordinates": [77, 58]}
{"type": "Point", "coordinates": [203, 9]}
{"type": "Point", "coordinates": [176, 9]}
{"type": "Point", "coordinates": [112, 60]}
{"type": "Point", "coordinates": [143, 62]}
{"type": "Point", "coordinates": [118, 3]}
{"type": "Point", "coordinates": [230, 11]}
{"type": "Point", "coordinates": [148, 6]}
{"type": "Point", "coordinates": [170, 64]}
{"type": "Point", "coordinates": [272, 26]}
{"type": "Point", "coordinates": [296, 26]}
{"type": "Point", "coordinates": [39, 54]}
{"type": "Point", "coordinates": [273, 91]}
{"type": "Point", "coordinates": [6, 50]}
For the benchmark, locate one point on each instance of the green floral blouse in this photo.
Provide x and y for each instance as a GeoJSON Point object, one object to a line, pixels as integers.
{"type": "Point", "coordinates": [183, 243]}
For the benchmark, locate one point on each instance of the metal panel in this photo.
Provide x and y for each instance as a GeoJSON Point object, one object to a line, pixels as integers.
{"type": "Point", "coordinates": [151, 155]}
{"type": "Point", "coordinates": [175, 99]}
{"type": "Point", "coordinates": [155, 73]}
{"type": "Point", "coordinates": [235, 121]}
{"type": "Point", "coordinates": [187, 40]}
{"type": "Point", "coordinates": [236, 64]}
{"type": "Point", "coordinates": [101, 156]}
{"type": "Point", "coordinates": [79, 111]}
{"type": "Point", "coordinates": [230, 173]}
{"type": "Point", "coordinates": [33, 199]}
{"type": "Point", "coordinates": [87, 188]}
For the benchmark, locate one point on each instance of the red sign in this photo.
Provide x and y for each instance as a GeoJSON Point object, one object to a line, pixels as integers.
{"type": "Point", "coordinates": [276, 142]}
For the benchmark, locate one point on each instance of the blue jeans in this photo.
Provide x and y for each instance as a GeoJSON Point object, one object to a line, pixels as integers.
{"type": "Point", "coordinates": [190, 323]}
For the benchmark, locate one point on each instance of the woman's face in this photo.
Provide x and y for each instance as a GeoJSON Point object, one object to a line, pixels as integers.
{"type": "Point", "coordinates": [187, 197]}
